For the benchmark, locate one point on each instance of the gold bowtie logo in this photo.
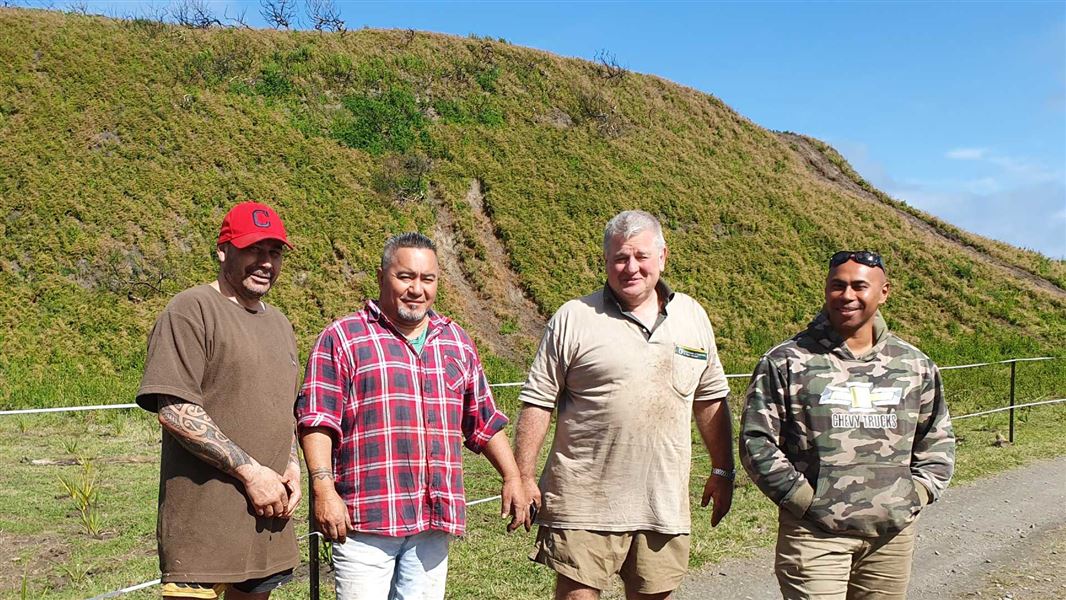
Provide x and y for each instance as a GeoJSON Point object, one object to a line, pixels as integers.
{"type": "Point", "coordinates": [861, 397]}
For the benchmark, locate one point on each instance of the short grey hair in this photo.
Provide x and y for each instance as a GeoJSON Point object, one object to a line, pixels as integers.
{"type": "Point", "coordinates": [629, 223]}
{"type": "Point", "coordinates": [411, 239]}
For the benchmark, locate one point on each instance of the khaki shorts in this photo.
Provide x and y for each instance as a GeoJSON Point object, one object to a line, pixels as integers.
{"type": "Point", "coordinates": [647, 561]}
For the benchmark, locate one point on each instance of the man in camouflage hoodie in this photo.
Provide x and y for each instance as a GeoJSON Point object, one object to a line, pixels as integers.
{"type": "Point", "coordinates": [846, 429]}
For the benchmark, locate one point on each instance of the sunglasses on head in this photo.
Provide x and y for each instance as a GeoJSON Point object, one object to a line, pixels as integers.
{"type": "Point", "coordinates": [863, 257]}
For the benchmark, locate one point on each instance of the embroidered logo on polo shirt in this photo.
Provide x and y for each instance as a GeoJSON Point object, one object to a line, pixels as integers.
{"type": "Point", "coordinates": [697, 353]}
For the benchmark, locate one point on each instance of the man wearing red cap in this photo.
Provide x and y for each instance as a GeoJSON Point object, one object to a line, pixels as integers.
{"type": "Point", "coordinates": [222, 374]}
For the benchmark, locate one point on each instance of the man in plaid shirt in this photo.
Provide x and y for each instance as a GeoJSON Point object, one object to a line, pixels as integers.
{"type": "Point", "coordinates": [390, 395]}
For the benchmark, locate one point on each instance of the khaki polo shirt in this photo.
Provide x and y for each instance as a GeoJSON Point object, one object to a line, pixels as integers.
{"type": "Point", "coordinates": [623, 443]}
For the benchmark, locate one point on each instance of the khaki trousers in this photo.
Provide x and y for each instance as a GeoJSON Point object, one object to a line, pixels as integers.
{"type": "Point", "coordinates": [813, 564]}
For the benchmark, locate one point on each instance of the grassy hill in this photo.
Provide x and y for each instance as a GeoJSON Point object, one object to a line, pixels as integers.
{"type": "Point", "coordinates": [122, 144]}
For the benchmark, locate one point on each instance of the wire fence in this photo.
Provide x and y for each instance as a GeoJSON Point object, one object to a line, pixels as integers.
{"type": "Point", "coordinates": [1006, 408]}
{"type": "Point", "coordinates": [314, 536]}
{"type": "Point", "coordinates": [61, 409]}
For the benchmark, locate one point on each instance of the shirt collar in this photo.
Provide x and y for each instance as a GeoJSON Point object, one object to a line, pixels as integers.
{"type": "Point", "coordinates": [373, 311]}
{"type": "Point", "coordinates": [662, 288]}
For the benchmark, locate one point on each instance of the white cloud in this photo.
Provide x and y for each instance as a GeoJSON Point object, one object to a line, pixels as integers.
{"type": "Point", "coordinates": [1021, 171]}
{"type": "Point", "coordinates": [967, 153]}
{"type": "Point", "coordinates": [1025, 170]}
{"type": "Point", "coordinates": [1013, 200]}
{"type": "Point", "coordinates": [1030, 216]}
{"type": "Point", "coordinates": [984, 185]}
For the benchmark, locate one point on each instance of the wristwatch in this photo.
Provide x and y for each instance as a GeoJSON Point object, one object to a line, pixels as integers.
{"type": "Point", "coordinates": [730, 474]}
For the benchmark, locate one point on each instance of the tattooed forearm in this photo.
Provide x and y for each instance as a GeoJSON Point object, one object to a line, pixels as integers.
{"type": "Point", "coordinates": [322, 473]}
{"type": "Point", "coordinates": [294, 454]}
{"type": "Point", "coordinates": [196, 431]}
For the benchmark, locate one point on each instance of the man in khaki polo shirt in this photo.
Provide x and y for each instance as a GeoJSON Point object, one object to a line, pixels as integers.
{"type": "Point", "coordinates": [625, 367]}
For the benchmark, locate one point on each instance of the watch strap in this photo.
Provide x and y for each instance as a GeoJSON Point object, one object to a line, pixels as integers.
{"type": "Point", "coordinates": [730, 474]}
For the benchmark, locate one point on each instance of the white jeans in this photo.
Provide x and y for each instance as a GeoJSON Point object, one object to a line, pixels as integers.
{"type": "Point", "coordinates": [378, 567]}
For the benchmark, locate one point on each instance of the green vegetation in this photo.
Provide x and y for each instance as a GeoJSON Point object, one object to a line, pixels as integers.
{"type": "Point", "coordinates": [54, 557]}
{"type": "Point", "coordinates": [122, 144]}
{"type": "Point", "coordinates": [83, 491]}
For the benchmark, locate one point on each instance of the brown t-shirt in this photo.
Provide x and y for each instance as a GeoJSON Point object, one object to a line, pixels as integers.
{"type": "Point", "coordinates": [240, 366]}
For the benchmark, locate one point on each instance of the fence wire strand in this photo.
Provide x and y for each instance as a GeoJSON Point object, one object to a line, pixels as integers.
{"type": "Point", "coordinates": [28, 411]}
{"type": "Point", "coordinates": [1006, 408]}
{"type": "Point", "coordinates": [126, 590]}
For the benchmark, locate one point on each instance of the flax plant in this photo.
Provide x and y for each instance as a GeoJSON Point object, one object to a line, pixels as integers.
{"type": "Point", "coordinates": [84, 492]}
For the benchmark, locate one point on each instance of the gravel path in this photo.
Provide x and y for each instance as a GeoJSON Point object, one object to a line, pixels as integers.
{"type": "Point", "coordinates": [975, 543]}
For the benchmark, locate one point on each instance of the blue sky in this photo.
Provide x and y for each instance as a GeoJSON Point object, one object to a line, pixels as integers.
{"type": "Point", "coordinates": [957, 108]}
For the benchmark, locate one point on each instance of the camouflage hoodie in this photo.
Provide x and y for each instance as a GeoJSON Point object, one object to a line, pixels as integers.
{"type": "Point", "coordinates": [856, 445]}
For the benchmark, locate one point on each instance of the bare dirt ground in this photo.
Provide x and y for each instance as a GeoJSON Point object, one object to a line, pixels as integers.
{"type": "Point", "coordinates": [1001, 537]}
{"type": "Point", "coordinates": [28, 556]}
{"type": "Point", "coordinates": [501, 305]}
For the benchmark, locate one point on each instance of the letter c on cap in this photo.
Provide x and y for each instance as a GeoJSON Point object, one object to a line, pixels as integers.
{"type": "Point", "coordinates": [261, 218]}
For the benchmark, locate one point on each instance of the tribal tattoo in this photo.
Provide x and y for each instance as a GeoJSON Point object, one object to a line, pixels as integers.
{"type": "Point", "coordinates": [322, 473]}
{"type": "Point", "coordinates": [196, 431]}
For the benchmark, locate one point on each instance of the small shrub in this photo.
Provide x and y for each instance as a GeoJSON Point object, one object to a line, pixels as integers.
{"type": "Point", "coordinates": [299, 56]}
{"type": "Point", "coordinates": [963, 270]}
{"type": "Point", "coordinates": [152, 28]}
{"type": "Point", "coordinates": [508, 326]}
{"type": "Point", "coordinates": [378, 124]}
{"type": "Point", "coordinates": [410, 63]}
{"type": "Point", "coordinates": [325, 553]}
{"type": "Point", "coordinates": [490, 115]}
{"type": "Point", "coordinates": [450, 111]}
{"type": "Point", "coordinates": [487, 78]}
{"type": "Point", "coordinates": [273, 82]}
{"type": "Point", "coordinates": [324, 15]}
{"type": "Point", "coordinates": [76, 572]}
{"type": "Point", "coordinates": [595, 107]}
{"type": "Point", "coordinates": [213, 68]}
{"type": "Point", "coordinates": [374, 74]}
{"type": "Point", "coordinates": [404, 178]}
{"type": "Point", "coordinates": [195, 14]}
{"type": "Point", "coordinates": [608, 66]}
{"type": "Point", "coordinates": [337, 69]}
{"type": "Point", "coordinates": [85, 494]}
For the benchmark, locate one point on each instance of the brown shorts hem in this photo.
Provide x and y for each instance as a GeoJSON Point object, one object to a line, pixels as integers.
{"type": "Point", "coordinates": [660, 586]}
{"type": "Point", "coordinates": [568, 571]}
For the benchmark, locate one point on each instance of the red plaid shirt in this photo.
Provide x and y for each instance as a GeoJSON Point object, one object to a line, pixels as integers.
{"type": "Point", "coordinates": [399, 418]}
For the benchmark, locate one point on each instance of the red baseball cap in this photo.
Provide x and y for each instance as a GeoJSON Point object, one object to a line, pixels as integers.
{"type": "Point", "coordinates": [251, 222]}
